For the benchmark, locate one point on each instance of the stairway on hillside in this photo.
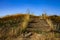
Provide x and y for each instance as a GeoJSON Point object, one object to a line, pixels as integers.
{"type": "Point", "coordinates": [37, 24]}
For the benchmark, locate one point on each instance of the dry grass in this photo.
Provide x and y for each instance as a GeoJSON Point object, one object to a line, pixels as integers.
{"type": "Point", "coordinates": [12, 27]}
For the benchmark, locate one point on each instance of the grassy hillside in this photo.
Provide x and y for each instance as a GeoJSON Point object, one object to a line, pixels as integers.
{"type": "Point", "coordinates": [29, 27]}
{"type": "Point", "coordinates": [56, 22]}
{"type": "Point", "coordinates": [13, 25]}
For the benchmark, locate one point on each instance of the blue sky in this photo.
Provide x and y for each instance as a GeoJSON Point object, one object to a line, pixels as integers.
{"type": "Point", "coordinates": [51, 7]}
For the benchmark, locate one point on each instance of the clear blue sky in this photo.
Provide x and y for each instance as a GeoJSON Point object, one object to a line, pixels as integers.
{"type": "Point", "coordinates": [36, 6]}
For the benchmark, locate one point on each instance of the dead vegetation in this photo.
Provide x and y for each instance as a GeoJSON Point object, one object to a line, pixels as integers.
{"type": "Point", "coordinates": [28, 27]}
